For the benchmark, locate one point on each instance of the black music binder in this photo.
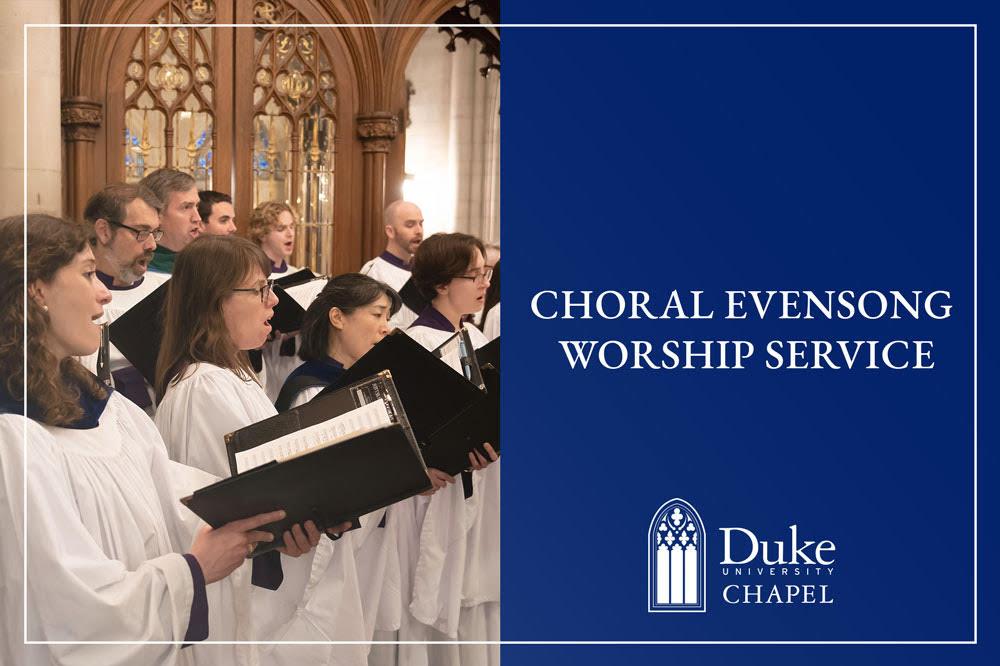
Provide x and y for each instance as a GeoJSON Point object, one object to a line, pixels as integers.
{"type": "Point", "coordinates": [295, 292]}
{"type": "Point", "coordinates": [333, 483]}
{"type": "Point", "coordinates": [448, 414]}
{"type": "Point", "coordinates": [412, 298]}
{"type": "Point", "coordinates": [296, 278]}
{"type": "Point", "coordinates": [138, 333]}
{"type": "Point", "coordinates": [489, 354]}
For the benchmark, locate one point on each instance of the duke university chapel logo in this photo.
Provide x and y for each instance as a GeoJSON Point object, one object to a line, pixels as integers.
{"type": "Point", "coordinates": [754, 570]}
{"type": "Point", "coordinates": [676, 559]}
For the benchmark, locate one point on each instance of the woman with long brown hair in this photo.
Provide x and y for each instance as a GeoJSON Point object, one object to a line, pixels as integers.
{"type": "Point", "coordinates": [218, 306]}
{"type": "Point", "coordinates": [110, 556]}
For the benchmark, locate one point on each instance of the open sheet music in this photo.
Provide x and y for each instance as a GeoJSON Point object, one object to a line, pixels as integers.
{"type": "Point", "coordinates": [330, 460]}
{"type": "Point", "coordinates": [355, 422]}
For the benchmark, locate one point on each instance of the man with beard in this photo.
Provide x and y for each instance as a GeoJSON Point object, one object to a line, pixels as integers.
{"type": "Point", "coordinates": [404, 230]}
{"type": "Point", "coordinates": [126, 220]}
{"type": "Point", "coordinates": [179, 217]}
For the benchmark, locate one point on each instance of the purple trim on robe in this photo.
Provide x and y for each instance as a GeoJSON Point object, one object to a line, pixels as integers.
{"type": "Point", "coordinates": [110, 281]}
{"type": "Point", "coordinates": [131, 384]}
{"type": "Point", "coordinates": [198, 624]}
{"type": "Point", "coordinates": [390, 258]}
{"type": "Point", "coordinates": [267, 571]}
{"type": "Point", "coordinates": [282, 268]}
{"type": "Point", "coordinates": [432, 318]}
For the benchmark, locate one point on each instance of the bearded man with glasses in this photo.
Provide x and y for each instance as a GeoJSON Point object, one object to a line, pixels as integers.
{"type": "Point", "coordinates": [126, 224]}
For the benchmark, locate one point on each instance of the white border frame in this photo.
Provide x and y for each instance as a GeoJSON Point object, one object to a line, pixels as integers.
{"type": "Point", "coordinates": [975, 322]}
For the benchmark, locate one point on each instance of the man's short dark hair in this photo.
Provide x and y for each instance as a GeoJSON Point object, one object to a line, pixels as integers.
{"type": "Point", "coordinates": [207, 199]}
{"type": "Point", "coordinates": [110, 202]}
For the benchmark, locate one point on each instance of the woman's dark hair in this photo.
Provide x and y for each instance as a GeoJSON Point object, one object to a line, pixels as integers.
{"type": "Point", "coordinates": [442, 257]}
{"type": "Point", "coordinates": [492, 294]}
{"type": "Point", "coordinates": [347, 293]}
{"type": "Point", "coordinates": [194, 330]}
{"type": "Point", "coordinates": [54, 391]}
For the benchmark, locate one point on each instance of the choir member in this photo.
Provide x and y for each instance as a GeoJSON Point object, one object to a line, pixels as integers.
{"type": "Point", "coordinates": [454, 546]}
{"type": "Point", "coordinates": [345, 321]}
{"type": "Point", "coordinates": [272, 227]}
{"type": "Point", "coordinates": [126, 223]}
{"type": "Point", "coordinates": [216, 212]}
{"type": "Point", "coordinates": [404, 230]}
{"type": "Point", "coordinates": [111, 553]}
{"type": "Point", "coordinates": [218, 306]}
{"type": "Point", "coordinates": [179, 219]}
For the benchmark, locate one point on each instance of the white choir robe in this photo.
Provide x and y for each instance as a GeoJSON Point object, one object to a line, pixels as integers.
{"type": "Point", "coordinates": [124, 299]}
{"type": "Point", "coordinates": [491, 329]}
{"type": "Point", "coordinates": [394, 276]}
{"type": "Point", "coordinates": [105, 539]}
{"type": "Point", "coordinates": [319, 598]}
{"type": "Point", "coordinates": [450, 560]}
{"type": "Point", "coordinates": [377, 563]}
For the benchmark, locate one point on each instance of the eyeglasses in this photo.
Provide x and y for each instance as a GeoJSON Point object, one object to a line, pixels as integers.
{"type": "Point", "coordinates": [264, 291]}
{"type": "Point", "coordinates": [480, 278]}
{"type": "Point", "coordinates": [141, 234]}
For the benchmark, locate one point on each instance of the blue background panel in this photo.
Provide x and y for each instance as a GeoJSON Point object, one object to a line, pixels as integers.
{"type": "Point", "coordinates": [757, 158]}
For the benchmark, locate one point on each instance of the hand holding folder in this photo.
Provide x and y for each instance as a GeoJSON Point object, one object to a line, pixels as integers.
{"type": "Point", "coordinates": [450, 416]}
{"type": "Point", "coordinates": [328, 461]}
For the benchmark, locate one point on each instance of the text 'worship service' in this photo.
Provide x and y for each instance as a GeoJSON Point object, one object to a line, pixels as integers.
{"type": "Point", "coordinates": [858, 352]}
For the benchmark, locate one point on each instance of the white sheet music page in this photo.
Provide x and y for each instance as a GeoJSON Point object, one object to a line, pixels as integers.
{"type": "Point", "coordinates": [452, 351]}
{"type": "Point", "coordinates": [355, 422]}
{"type": "Point", "coordinates": [306, 293]}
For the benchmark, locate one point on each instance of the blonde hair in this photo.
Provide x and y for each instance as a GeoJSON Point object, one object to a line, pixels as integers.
{"type": "Point", "coordinates": [264, 218]}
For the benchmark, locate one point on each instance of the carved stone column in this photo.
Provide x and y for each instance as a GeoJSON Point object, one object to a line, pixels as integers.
{"type": "Point", "coordinates": [44, 158]}
{"type": "Point", "coordinates": [376, 131]}
{"type": "Point", "coordinates": [81, 118]}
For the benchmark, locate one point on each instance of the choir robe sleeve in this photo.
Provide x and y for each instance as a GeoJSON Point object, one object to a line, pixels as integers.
{"type": "Point", "coordinates": [75, 591]}
{"type": "Point", "coordinates": [197, 413]}
{"type": "Point", "coordinates": [491, 327]}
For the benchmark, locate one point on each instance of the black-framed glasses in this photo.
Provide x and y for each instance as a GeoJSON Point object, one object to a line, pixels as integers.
{"type": "Point", "coordinates": [264, 291]}
{"type": "Point", "coordinates": [480, 278]}
{"type": "Point", "coordinates": [141, 234]}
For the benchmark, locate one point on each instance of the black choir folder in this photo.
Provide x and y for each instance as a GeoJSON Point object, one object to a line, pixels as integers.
{"type": "Point", "coordinates": [412, 298]}
{"type": "Point", "coordinates": [138, 333]}
{"type": "Point", "coordinates": [290, 462]}
{"type": "Point", "coordinates": [449, 415]}
{"type": "Point", "coordinates": [490, 354]}
{"type": "Point", "coordinates": [295, 292]}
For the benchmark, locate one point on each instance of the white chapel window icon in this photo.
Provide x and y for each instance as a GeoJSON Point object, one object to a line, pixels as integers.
{"type": "Point", "coordinates": [676, 552]}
